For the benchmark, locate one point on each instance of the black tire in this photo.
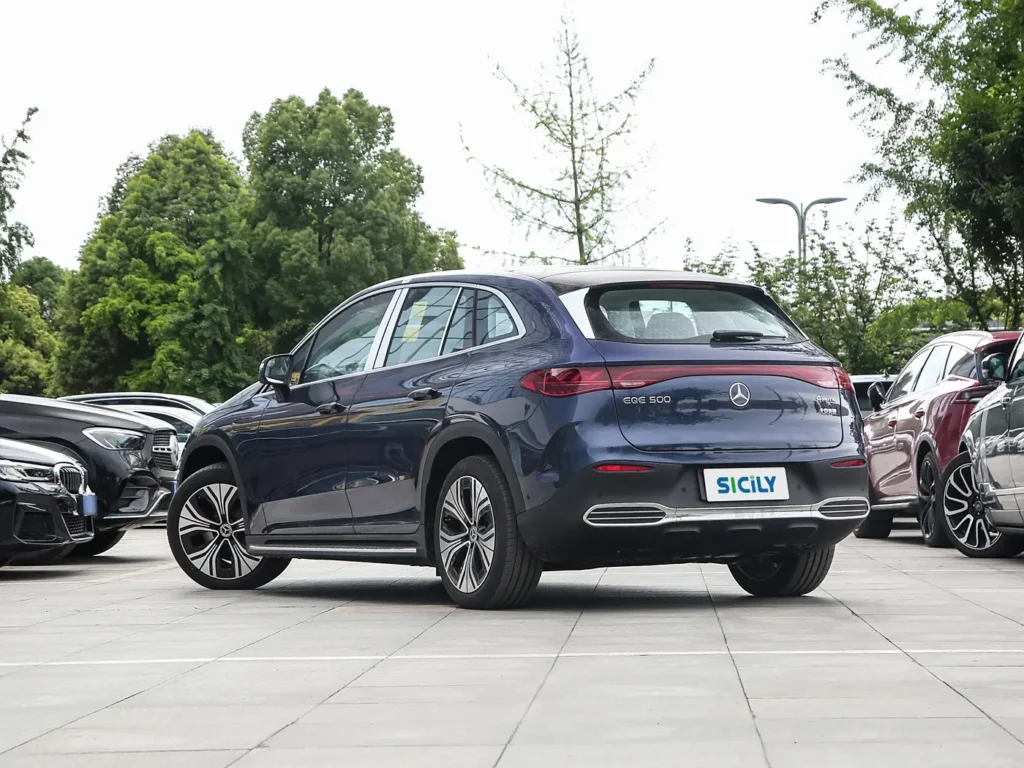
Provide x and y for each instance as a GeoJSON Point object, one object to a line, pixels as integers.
{"type": "Point", "coordinates": [928, 479]}
{"type": "Point", "coordinates": [102, 542]}
{"type": "Point", "coordinates": [963, 518]}
{"type": "Point", "coordinates": [512, 573]}
{"type": "Point", "coordinates": [213, 533]}
{"type": "Point", "coordinates": [877, 525]}
{"type": "Point", "coordinates": [784, 575]}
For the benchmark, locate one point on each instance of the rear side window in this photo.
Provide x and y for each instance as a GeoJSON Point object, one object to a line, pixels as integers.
{"type": "Point", "coordinates": [421, 324]}
{"type": "Point", "coordinates": [935, 369]}
{"type": "Point", "coordinates": [962, 363]}
{"type": "Point", "coordinates": [684, 314]}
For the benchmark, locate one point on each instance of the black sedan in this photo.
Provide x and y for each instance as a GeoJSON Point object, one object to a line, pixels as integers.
{"type": "Point", "coordinates": [45, 505]}
{"type": "Point", "coordinates": [131, 460]}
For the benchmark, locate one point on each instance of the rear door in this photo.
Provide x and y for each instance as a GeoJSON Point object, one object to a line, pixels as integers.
{"type": "Point", "coordinates": [909, 418]}
{"type": "Point", "coordinates": [888, 465]}
{"type": "Point", "coordinates": [750, 380]}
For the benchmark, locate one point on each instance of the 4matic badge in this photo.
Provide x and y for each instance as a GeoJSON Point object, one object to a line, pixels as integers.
{"type": "Point", "coordinates": [826, 406]}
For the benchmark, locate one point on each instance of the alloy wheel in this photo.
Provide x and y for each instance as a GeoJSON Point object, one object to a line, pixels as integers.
{"type": "Point", "coordinates": [926, 485]}
{"type": "Point", "coordinates": [466, 534]}
{"type": "Point", "coordinates": [961, 504]}
{"type": "Point", "coordinates": [211, 531]}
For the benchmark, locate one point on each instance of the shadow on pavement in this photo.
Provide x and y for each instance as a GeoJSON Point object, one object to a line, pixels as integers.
{"type": "Point", "coordinates": [35, 572]}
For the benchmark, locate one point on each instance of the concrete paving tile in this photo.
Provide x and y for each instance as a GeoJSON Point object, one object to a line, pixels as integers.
{"type": "Point", "coordinates": [470, 724]}
{"type": "Point", "coordinates": [723, 754]}
{"type": "Point", "coordinates": [928, 730]}
{"type": "Point", "coordinates": [949, 705]}
{"type": "Point", "coordinates": [192, 759]}
{"type": "Point", "coordinates": [480, 672]}
{"type": "Point", "coordinates": [137, 729]}
{"type": "Point", "coordinates": [372, 757]}
{"type": "Point", "coordinates": [896, 755]}
{"type": "Point", "coordinates": [433, 694]}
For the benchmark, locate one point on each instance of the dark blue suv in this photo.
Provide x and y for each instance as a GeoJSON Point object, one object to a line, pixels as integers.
{"type": "Point", "coordinates": [498, 425]}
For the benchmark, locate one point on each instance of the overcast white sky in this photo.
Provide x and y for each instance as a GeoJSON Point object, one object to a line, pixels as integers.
{"type": "Point", "coordinates": [737, 107]}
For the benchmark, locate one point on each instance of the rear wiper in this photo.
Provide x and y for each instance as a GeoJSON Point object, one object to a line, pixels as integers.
{"type": "Point", "coordinates": [741, 336]}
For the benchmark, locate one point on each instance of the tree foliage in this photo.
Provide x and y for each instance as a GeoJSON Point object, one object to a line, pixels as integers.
{"type": "Point", "coordinates": [333, 206]}
{"type": "Point", "coordinates": [14, 235]}
{"type": "Point", "coordinates": [582, 205]}
{"type": "Point", "coordinates": [43, 279]}
{"type": "Point", "coordinates": [951, 146]}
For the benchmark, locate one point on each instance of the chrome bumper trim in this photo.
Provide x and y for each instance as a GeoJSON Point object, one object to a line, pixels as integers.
{"type": "Point", "coordinates": [151, 513]}
{"type": "Point", "coordinates": [619, 515]}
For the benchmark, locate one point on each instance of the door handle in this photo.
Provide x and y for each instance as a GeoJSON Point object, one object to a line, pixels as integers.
{"type": "Point", "coordinates": [427, 393]}
{"type": "Point", "coordinates": [919, 413]}
{"type": "Point", "coordinates": [1007, 399]}
{"type": "Point", "coordinates": [329, 408]}
{"type": "Point", "coordinates": [893, 422]}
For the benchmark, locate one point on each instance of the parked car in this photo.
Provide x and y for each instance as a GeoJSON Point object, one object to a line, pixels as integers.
{"type": "Point", "coordinates": [196, 404]}
{"type": "Point", "coordinates": [862, 384]}
{"type": "Point", "coordinates": [45, 503]}
{"type": "Point", "coordinates": [982, 489]}
{"type": "Point", "coordinates": [915, 427]}
{"type": "Point", "coordinates": [180, 419]}
{"type": "Point", "coordinates": [497, 425]}
{"type": "Point", "coordinates": [132, 460]}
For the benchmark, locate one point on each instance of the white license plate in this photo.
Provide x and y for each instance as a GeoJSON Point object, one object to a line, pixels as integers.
{"type": "Point", "coordinates": [746, 484]}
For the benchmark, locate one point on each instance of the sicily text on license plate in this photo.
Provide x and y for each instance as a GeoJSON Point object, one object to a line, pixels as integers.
{"type": "Point", "coordinates": [746, 484]}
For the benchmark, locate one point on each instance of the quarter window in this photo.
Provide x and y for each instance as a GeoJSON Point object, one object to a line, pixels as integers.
{"type": "Point", "coordinates": [421, 324]}
{"type": "Point", "coordinates": [343, 345]}
{"type": "Point", "coordinates": [935, 369]}
{"type": "Point", "coordinates": [962, 363]}
{"type": "Point", "coordinates": [493, 321]}
{"type": "Point", "coordinates": [905, 381]}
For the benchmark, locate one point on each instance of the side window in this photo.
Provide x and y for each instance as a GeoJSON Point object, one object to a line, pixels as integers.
{"type": "Point", "coordinates": [460, 329]}
{"type": "Point", "coordinates": [343, 345]}
{"type": "Point", "coordinates": [493, 322]}
{"type": "Point", "coordinates": [962, 363]}
{"type": "Point", "coordinates": [1016, 366]}
{"type": "Point", "coordinates": [935, 369]}
{"type": "Point", "coordinates": [421, 324]}
{"type": "Point", "coordinates": [905, 381]}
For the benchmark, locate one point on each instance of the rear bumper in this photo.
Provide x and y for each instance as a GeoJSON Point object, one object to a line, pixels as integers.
{"type": "Point", "coordinates": [602, 519]}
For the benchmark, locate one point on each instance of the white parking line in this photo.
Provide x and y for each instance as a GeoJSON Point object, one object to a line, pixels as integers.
{"type": "Point", "coordinates": [510, 656]}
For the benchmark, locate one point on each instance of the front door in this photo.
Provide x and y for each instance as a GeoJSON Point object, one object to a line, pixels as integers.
{"type": "Point", "coordinates": [300, 461]}
{"type": "Point", "coordinates": [888, 463]}
{"type": "Point", "coordinates": [401, 404]}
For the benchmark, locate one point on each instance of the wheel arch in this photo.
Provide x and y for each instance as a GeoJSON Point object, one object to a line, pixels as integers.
{"type": "Point", "coordinates": [206, 451]}
{"type": "Point", "coordinates": [454, 443]}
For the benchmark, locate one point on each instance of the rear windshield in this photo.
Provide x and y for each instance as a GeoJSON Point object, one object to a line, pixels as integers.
{"type": "Point", "coordinates": [685, 315]}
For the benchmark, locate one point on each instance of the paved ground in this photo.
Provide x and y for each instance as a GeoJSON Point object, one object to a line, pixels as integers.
{"type": "Point", "coordinates": [908, 657]}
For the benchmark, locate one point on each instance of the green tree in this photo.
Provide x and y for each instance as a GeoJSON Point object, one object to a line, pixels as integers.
{"type": "Point", "coordinates": [43, 279]}
{"type": "Point", "coordinates": [951, 145]}
{"type": "Point", "coordinates": [862, 297]}
{"type": "Point", "coordinates": [582, 204]}
{"type": "Point", "coordinates": [333, 210]}
{"type": "Point", "coordinates": [161, 299]}
{"type": "Point", "coordinates": [14, 235]}
{"type": "Point", "coordinates": [26, 343]}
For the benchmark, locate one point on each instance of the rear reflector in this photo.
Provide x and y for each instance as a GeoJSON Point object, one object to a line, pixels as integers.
{"type": "Point", "coordinates": [622, 468]}
{"type": "Point", "coordinates": [566, 382]}
{"type": "Point", "coordinates": [848, 463]}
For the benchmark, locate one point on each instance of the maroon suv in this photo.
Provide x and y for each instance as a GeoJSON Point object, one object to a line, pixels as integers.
{"type": "Point", "coordinates": [914, 429]}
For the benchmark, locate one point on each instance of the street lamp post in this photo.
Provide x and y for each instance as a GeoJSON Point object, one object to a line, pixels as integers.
{"type": "Point", "coordinates": [801, 220]}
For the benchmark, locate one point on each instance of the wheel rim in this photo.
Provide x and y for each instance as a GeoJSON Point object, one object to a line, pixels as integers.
{"type": "Point", "coordinates": [761, 568]}
{"type": "Point", "coordinates": [961, 504]}
{"type": "Point", "coordinates": [211, 531]}
{"type": "Point", "coordinates": [926, 481]}
{"type": "Point", "coordinates": [466, 533]}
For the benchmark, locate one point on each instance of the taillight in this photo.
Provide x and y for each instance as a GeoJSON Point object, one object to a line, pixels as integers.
{"type": "Point", "coordinates": [844, 380]}
{"type": "Point", "coordinates": [973, 394]}
{"type": "Point", "coordinates": [566, 382]}
{"type": "Point", "coordinates": [622, 468]}
{"type": "Point", "coordinates": [633, 377]}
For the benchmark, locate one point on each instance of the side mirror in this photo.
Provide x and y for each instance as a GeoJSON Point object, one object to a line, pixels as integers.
{"type": "Point", "coordinates": [993, 367]}
{"type": "Point", "coordinates": [876, 395]}
{"type": "Point", "coordinates": [275, 371]}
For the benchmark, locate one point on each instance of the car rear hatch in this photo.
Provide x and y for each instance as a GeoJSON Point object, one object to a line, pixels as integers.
{"type": "Point", "coordinates": [699, 367]}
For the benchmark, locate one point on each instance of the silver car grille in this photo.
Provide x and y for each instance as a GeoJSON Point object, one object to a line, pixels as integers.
{"type": "Point", "coordinates": [165, 450]}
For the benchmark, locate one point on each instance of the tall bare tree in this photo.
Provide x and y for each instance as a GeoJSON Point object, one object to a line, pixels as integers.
{"type": "Point", "coordinates": [583, 204]}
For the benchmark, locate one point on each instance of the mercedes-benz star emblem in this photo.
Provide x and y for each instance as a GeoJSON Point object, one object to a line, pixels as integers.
{"type": "Point", "coordinates": [739, 394]}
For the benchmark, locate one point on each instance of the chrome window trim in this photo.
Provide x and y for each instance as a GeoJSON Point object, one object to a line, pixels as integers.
{"type": "Point", "coordinates": [375, 360]}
